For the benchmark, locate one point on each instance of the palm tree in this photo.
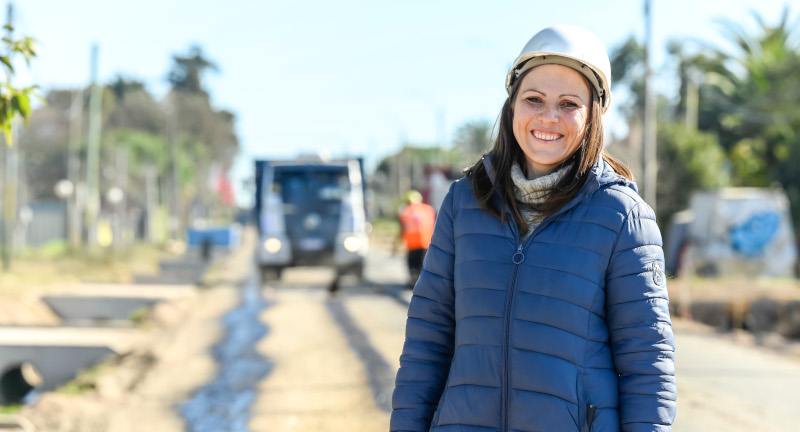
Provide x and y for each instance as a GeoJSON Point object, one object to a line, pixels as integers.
{"type": "Point", "coordinates": [757, 104]}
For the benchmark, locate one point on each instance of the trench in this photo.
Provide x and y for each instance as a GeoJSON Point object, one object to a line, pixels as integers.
{"type": "Point", "coordinates": [224, 403]}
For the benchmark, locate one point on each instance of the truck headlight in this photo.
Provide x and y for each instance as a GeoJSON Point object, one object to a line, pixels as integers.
{"type": "Point", "coordinates": [272, 245]}
{"type": "Point", "coordinates": [352, 244]}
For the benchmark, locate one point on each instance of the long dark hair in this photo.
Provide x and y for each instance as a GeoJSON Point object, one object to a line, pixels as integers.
{"type": "Point", "coordinates": [506, 152]}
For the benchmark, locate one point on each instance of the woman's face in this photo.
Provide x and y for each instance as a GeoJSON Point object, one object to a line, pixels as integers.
{"type": "Point", "coordinates": [550, 116]}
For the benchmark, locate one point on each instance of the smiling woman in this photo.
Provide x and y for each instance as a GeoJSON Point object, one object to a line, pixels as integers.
{"type": "Point", "coordinates": [550, 116]}
{"type": "Point", "coordinates": [541, 304]}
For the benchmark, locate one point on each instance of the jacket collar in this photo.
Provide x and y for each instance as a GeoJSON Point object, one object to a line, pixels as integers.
{"type": "Point", "coordinates": [601, 174]}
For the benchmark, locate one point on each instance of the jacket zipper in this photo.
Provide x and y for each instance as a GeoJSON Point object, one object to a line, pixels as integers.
{"type": "Point", "coordinates": [517, 260]}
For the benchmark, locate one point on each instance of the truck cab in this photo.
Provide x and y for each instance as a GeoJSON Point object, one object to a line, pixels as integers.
{"type": "Point", "coordinates": [310, 213]}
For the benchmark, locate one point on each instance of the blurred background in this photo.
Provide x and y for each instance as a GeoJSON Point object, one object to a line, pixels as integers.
{"type": "Point", "coordinates": [161, 157]}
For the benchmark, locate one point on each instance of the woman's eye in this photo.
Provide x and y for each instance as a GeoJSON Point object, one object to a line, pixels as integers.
{"type": "Point", "coordinates": [534, 99]}
{"type": "Point", "coordinates": [570, 104]}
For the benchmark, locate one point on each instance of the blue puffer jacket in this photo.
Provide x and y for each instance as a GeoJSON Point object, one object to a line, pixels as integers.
{"type": "Point", "coordinates": [567, 332]}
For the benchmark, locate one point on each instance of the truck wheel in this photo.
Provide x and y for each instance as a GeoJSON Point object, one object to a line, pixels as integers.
{"type": "Point", "coordinates": [270, 273]}
{"type": "Point", "coordinates": [263, 274]}
{"type": "Point", "coordinates": [359, 272]}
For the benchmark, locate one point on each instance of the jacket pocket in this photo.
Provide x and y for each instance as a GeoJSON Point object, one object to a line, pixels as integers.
{"type": "Point", "coordinates": [586, 416]}
{"type": "Point", "coordinates": [590, 412]}
{"type": "Point", "coordinates": [586, 411]}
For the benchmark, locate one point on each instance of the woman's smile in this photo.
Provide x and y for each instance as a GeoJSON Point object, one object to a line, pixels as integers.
{"type": "Point", "coordinates": [546, 136]}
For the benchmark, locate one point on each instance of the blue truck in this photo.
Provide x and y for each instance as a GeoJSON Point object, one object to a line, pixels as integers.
{"type": "Point", "coordinates": [310, 212]}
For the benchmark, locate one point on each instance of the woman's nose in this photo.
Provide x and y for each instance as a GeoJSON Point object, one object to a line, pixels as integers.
{"type": "Point", "coordinates": [548, 114]}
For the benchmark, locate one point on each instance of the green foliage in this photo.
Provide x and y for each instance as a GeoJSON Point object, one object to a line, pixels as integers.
{"type": "Point", "coordinates": [385, 227]}
{"type": "Point", "coordinates": [15, 101]}
{"type": "Point", "coordinates": [86, 381]}
{"type": "Point", "coordinates": [747, 103]}
{"type": "Point", "coordinates": [138, 316]}
{"type": "Point", "coordinates": [689, 160]}
{"type": "Point", "coordinates": [187, 71]}
{"type": "Point", "coordinates": [10, 409]}
{"type": "Point", "coordinates": [474, 138]}
{"type": "Point", "coordinates": [142, 129]}
{"type": "Point", "coordinates": [52, 249]}
{"type": "Point", "coordinates": [143, 148]}
{"type": "Point", "coordinates": [627, 68]}
{"type": "Point", "coordinates": [749, 162]}
{"type": "Point", "coordinates": [753, 103]}
{"type": "Point", "coordinates": [418, 155]}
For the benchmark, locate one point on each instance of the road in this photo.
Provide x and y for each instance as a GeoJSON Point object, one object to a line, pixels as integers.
{"type": "Point", "coordinates": [285, 356]}
{"type": "Point", "coordinates": [334, 361]}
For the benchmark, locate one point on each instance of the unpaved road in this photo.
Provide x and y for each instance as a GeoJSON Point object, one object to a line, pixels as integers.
{"type": "Point", "coordinates": [318, 382]}
{"type": "Point", "coordinates": [333, 361]}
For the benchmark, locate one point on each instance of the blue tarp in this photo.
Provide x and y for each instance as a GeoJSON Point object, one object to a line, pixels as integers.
{"type": "Point", "coordinates": [218, 236]}
{"type": "Point", "coordinates": [752, 236]}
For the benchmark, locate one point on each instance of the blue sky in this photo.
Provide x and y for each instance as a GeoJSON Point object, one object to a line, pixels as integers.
{"type": "Point", "coordinates": [351, 76]}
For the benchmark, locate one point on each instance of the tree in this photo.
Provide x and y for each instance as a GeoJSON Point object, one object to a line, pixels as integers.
{"type": "Point", "coordinates": [474, 138]}
{"type": "Point", "coordinates": [690, 160]}
{"type": "Point", "coordinates": [187, 71]}
{"type": "Point", "coordinates": [627, 69]}
{"type": "Point", "coordinates": [14, 103]}
{"type": "Point", "coordinates": [753, 104]}
{"type": "Point", "coordinates": [133, 107]}
{"type": "Point", "coordinates": [139, 130]}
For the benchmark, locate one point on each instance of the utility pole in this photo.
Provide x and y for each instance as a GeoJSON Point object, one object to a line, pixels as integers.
{"type": "Point", "coordinates": [649, 161]}
{"type": "Point", "coordinates": [93, 153]}
{"type": "Point", "coordinates": [440, 137]}
{"type": "Point", "coordinates": [151, 198]}
{"type": "Point", "coordinates": [122, 207]}
{"type": "Point", "coordinates": [692, 98]}
{"type": "Point", "coordinates": [10, 183]}
{"type": "Point", "coordinates": [75, 201]}
{"type": "Point", "coordinates": [174, 190]}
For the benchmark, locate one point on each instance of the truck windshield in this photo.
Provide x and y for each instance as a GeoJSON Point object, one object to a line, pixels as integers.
{"type": "Point", "coordinates": [304, 185]}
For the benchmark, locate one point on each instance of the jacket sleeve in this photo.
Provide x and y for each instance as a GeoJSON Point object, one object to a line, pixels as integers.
{"type": "Point", "coordinates": [430, 329]}
{"type": "Point", "coordinates": [639, 325]}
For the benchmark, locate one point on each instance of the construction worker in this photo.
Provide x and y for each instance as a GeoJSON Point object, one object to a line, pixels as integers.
{"type": "Point", "coordinates": [416, 228]}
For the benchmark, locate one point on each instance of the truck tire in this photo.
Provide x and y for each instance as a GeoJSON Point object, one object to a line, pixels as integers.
{"type": "Point", "coordinates": [270, 273]}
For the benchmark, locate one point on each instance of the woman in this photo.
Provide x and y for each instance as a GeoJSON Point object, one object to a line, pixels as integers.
{"type": "Point", "coordinates": [542, 305]}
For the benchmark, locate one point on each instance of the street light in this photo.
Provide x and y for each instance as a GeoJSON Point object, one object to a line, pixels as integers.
{"type": "Point", "coordinates": [114, 195]}
{"type": "Point", "coordinates": [64, 189]}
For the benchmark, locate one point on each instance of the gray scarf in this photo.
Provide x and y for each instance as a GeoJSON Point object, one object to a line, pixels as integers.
{"type": "Point", "coordinates": [531, 192]}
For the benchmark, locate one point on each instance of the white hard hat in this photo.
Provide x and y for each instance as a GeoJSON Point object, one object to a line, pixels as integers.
{"type": "Point", "coordinates": [569, 46]}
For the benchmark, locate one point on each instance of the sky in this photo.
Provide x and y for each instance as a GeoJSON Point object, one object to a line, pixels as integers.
{"type": "Point", "coordinates": [347, 77]}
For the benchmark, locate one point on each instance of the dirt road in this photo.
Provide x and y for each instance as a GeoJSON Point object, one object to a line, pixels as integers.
{"type": "Point", "coordinates": [724, 385]}
{"type": "Point", "coordinates": [332, 363]}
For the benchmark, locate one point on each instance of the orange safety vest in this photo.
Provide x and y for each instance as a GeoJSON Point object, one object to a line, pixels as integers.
{"type": "Point", "coordinates": [417, 221]}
